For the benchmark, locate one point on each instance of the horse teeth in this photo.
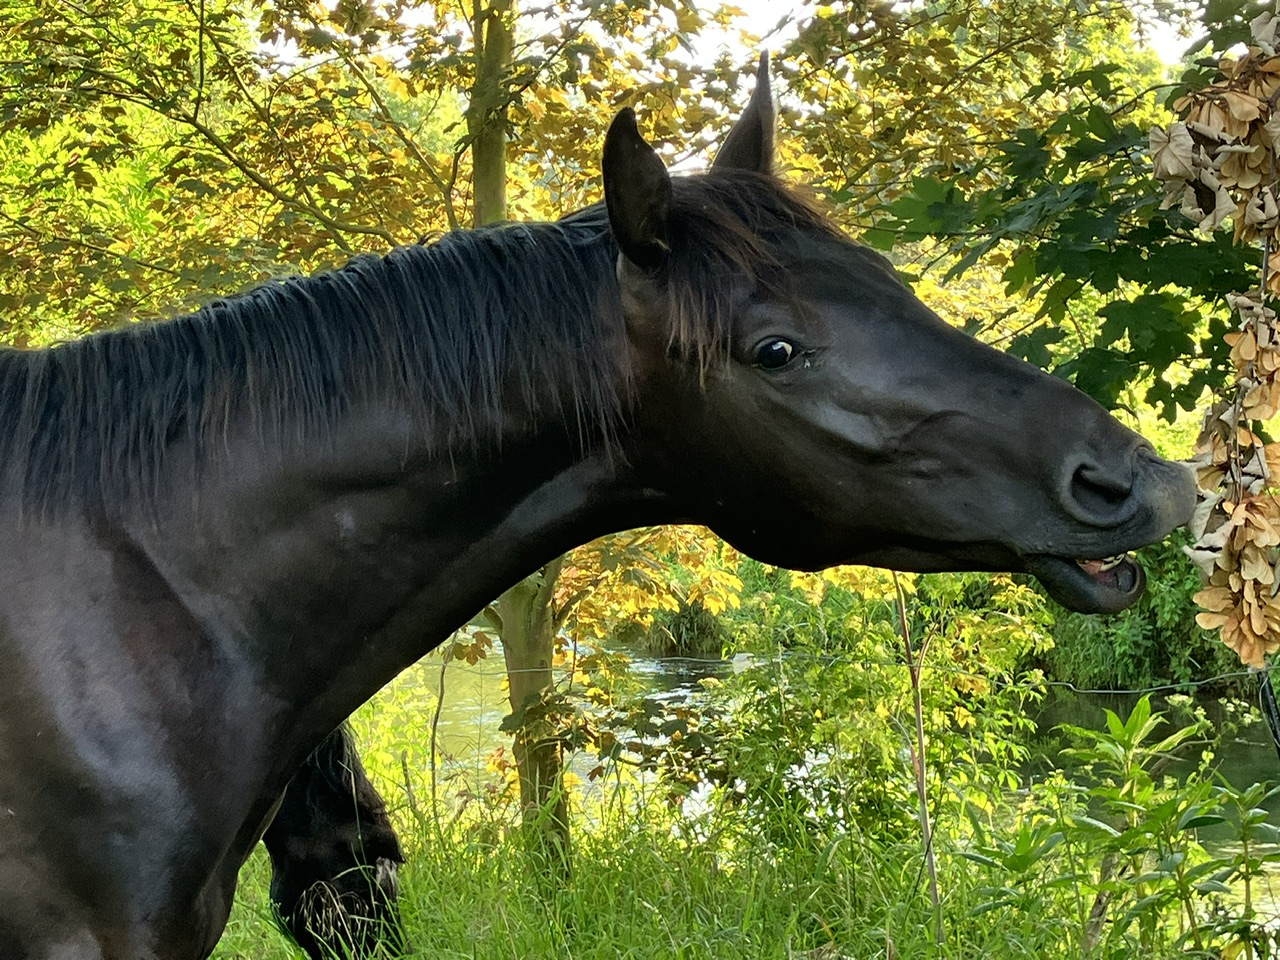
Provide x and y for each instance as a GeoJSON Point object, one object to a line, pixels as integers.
{"type": "Point", "coordinates": [1100, 566]}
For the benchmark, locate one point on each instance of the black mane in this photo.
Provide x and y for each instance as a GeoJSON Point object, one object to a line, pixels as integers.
{"type": "Point", "coordinates": [443, 331]}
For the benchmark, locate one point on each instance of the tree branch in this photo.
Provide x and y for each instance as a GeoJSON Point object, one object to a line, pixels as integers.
{"type": "Point", "coordinates": [270, 188]}
{"type": "Point", "coordinates": [264, 116]}
{"type": "Point", "coordinates": [86, 245]}
{"type": "Point", "coordinates": [445, 187]}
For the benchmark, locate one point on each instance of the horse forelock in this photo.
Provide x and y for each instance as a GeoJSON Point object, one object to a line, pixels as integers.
{"type": "Point", "coordinates": [445, 331]}
{"type": "Point", "coordinates": [726, 226]}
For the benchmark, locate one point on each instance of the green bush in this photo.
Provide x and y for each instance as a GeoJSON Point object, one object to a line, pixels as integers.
{"type": "Point", "coordinates": [691, 631]}
{"type": "Point", "coordinates": [1155, 642]}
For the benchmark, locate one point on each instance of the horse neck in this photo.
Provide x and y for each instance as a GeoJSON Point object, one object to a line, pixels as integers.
{"type": "Point", "coordinates": [330, 581]}
{"type": "Point", "coordinates": [327, 565]}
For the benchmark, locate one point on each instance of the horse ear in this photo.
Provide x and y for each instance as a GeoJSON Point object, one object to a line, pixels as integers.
{"type": "Point", "coordinates": [749, 145]}
{"type": "Point", "coordinates": [637, 193]}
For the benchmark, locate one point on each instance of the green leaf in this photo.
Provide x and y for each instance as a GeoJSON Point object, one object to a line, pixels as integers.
{"type": "Point", "coordinates": [1033, 346]}
{"type": "Point", "coordinates": [1095, 824]}
{"type": "Point", "coordinates": [1195, 817]}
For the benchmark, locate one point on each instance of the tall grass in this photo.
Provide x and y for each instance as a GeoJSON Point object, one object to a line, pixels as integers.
{"type": "Point", "coordinates": [1055, 869]}
{"type": "Point", "coordinates": [782, 823]}
{"type": "Point", "coordinates": [647, 889]}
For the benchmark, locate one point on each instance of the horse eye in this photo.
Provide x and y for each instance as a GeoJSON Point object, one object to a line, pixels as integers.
{"type": "Point", "coordinates": [774, 354]}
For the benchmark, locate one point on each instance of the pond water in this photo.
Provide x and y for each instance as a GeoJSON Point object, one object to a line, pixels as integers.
{"type": "Point", "coordinates": [475, 702]}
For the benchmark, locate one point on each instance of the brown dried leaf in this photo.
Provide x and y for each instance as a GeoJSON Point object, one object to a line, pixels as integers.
{"type": "Point", "coordinates": [1172, 152]}
{"type": "Point", "coordinates": [1264, 86]}
{"type": "Point", "coordinates": [1244, 347]}
{"type": "Point", "coordinates": [1261, 211]}
{"type": "Point", "coordinates": [1254, 566]}
{"type": "Point", "coordinates": [1200, 519]}
{"type": "Point", "coordinates": [1262, 403]}
{"type": "Point", "coordinates": [1215, 599]}
{"type": "Point", "coordinates": [1257, 621]}
{"type": "Point", "coordinates": [1204, 559]}
{"type": "Point", "coordinates": [1212, 621]}
{"type": "Point", "coordinates": [1241, 106]}
{"type": "Point", "coordinates": [1223, 207]}
{"type": "Point", "coordinates": [1262, 29]}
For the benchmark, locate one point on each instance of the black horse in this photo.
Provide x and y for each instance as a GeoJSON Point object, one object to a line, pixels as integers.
{"type": "Point", "coordinates": [335, 858]}
{"type": "Point", "coordinates": [223, 533]}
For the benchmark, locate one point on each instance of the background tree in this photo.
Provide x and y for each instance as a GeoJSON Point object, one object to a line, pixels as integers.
{"type": "Point", "coordinates": [900, 91]}
{"type": "Point", "coordinates": [1063, 212]}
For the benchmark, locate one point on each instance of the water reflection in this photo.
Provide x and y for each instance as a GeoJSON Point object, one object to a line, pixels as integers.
{"type": "Point", "coordinates": [468, 732]}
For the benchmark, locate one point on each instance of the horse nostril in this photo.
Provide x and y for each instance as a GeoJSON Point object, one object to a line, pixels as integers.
{"type": "Point", "coordinates": [1098, 490]}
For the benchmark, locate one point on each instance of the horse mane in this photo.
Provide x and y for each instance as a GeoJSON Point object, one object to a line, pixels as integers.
{"type": "Point", "coordinates": [444, 331]}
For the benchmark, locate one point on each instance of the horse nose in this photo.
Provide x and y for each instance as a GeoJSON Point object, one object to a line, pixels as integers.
{"type": "Point", "coordinates": [1100, 490]}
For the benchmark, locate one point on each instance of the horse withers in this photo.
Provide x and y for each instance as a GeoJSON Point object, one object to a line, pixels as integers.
{"type": "Point", "coordinates": [223, 533]}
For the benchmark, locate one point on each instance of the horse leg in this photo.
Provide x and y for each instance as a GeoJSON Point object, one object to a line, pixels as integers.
{"type": "Point", "coordinates": [334, 857]}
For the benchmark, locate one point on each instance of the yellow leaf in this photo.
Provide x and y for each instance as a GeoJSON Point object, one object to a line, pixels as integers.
{"type": "Point", "coordinates": [398, 87]}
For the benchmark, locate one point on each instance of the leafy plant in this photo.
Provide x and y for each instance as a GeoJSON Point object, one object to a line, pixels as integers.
{"type": "Point", "coordinates": [1155, 642]}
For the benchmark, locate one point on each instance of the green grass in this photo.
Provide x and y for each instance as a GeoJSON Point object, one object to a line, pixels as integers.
{"type": "Point", "coordinates": [641, 892]}
{"type": "Point", "coordinates": [638, 891]}
{"type": "Point", "coordinates": [641, 889]}
{"type": "Point", "coordinates": [771, 872]}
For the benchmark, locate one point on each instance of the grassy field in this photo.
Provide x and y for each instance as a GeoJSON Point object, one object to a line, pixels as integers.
{"type": "Point", "coordinates": [824, 862]}
{"type": "Point", "coordinates": [647, 882]}
{"type": "Point", "coordinates": [641, 891]}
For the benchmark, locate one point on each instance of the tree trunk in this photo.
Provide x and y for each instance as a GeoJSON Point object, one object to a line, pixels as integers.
{"type": "Point", "coordinates": [528, 636]}
{"type": "Point", "coordinates": [526, 622]}
{"type": "Point", "coordinates": [487, 110]}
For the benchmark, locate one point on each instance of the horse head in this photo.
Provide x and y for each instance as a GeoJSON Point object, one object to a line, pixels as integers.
{"type": "Point", "coordinates": [798, 398]}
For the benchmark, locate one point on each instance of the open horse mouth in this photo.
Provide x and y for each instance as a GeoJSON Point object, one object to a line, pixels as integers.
{"type": "Point", "coordinates": [1090, 586]}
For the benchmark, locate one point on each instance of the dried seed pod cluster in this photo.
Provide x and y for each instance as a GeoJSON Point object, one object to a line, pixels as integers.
{"type": "Point", "coordinates": [1220, 162]}
{"type": "Point", "coordinates": [1237, 523]}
